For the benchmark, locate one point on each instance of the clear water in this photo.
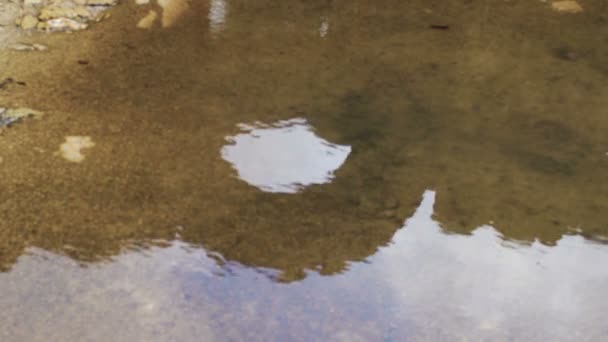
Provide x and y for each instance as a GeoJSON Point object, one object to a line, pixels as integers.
{"type": "Point", "coordinates": [466, 198]}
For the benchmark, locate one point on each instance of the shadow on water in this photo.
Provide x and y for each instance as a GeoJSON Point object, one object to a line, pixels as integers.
{"type": "Point", "coordinates": [503, 116]}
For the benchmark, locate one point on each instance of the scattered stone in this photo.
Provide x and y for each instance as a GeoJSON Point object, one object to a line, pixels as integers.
{"type": "Point", "coordinates": [142, 2]}
{"type": "Point", "coordinates": [8, 12]}
{"type": "Point", "coordinates": [61, 15]}
{"type": "Point", "coordinates": [567, 6]}
{"type": "Point", "coordinates": [147, 21]}
{"type": "Point", "coordinates": [28, 47]}
{"type": "Point", "coordinates": [63, 11]}
{"type": "Point", "coordinates": [71, 149]}
{"type": "Point", "coordinates": [29, 22]}
{"type": "Point", "coordinates": [62, 24]}
{"type": "Point", "coordinates": [14, 115]}
{"type": "Point", "coordinates": [102, 2]}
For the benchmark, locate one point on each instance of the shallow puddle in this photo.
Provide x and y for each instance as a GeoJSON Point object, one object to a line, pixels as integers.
{"type": "Point", "coordinates": [244, 171]}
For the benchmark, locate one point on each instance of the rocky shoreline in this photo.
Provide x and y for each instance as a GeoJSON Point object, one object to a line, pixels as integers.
{"type": "Point", "coordinates": [18, 16]}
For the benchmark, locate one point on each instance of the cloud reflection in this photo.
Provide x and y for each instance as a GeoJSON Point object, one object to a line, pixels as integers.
{"type": "Point", "coordinates": [283, 157]}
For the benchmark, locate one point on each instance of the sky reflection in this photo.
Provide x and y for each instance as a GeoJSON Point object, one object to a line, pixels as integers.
{"type": "Point", "coordinates": [424, 285]}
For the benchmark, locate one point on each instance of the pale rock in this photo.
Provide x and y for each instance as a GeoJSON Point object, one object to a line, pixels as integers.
{"type": "Point", "coordinates": [567, 6]}
{"type": "Point", "coordinates": [57, 12]}
{"type": "Point", "coordinates": [8, 12]}
{"type": "Point", "coordinates": [64, 24]}
{"type": "Point", "coordinates": [28, 47]}
{"type": "Point", "coordinates": [14, 115]}
{"type": "Point", "coordinates": [82, 11]}
{"type": "Point", "coordinates": [147, 21]}
{"type": "Point", "coordinates": [101, 2]}
{"type": "Point", "coordinates": [71, 149]}
{"type": "Point", "coordinates": [29, 22]}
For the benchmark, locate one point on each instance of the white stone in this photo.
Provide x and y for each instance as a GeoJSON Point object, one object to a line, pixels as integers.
{"type": "Point", "coordinates": [568, 6]}
{"type": "Point", "coordinates": [147, 21]}
{"type": "Point", "coordinates": [71, 149]}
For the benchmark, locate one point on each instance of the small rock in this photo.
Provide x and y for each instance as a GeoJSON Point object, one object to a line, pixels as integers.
{"type": "Point", "coordinates": [29, 22]}
{"type": "Point", "coordinates": [101, 2]}
{"type": "Point", "coordinates": [8, 12]}
{"type": "Point", "coordinates": [11, 116]}
{"type": "Point", "coordinates": [63, 24]}
{"type": "Point", "coordinates": [58, 15]}
{"type": "Point", "coordinates": [82, 11]}
{"type": "Point", "coordinates": [567, 6]}
{"type": "Point", "coordinates": [147, 21]}
{"type": "Point", "coordinates": [57, 12]}
{"type": "Point", "coordinates": [71, 149]}
{"type": "Point", "coordinates": [28, 47]}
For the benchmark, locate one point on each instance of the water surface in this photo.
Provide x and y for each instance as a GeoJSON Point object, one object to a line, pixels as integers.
{"type": "Point", "coordinates": [250, 168]}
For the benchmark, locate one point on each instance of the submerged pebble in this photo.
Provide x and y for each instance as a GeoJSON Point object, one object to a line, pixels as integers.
{"type": "Point", "coordinates": [28, 47]}
{"type": "Point", "coordinates": [71, 149]}
{"type": "Point", "coordinates": [29, 22]}
{"type": "Point", "coordinates": [147, 21]}
{"type": "Point", "coordinates": [568, 6]}
{"type": "Point", "coordinates": [14, 115]}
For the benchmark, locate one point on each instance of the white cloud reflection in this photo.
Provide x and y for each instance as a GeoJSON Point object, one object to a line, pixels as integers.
{"type": "Point", "coordinates": [283, 157]}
